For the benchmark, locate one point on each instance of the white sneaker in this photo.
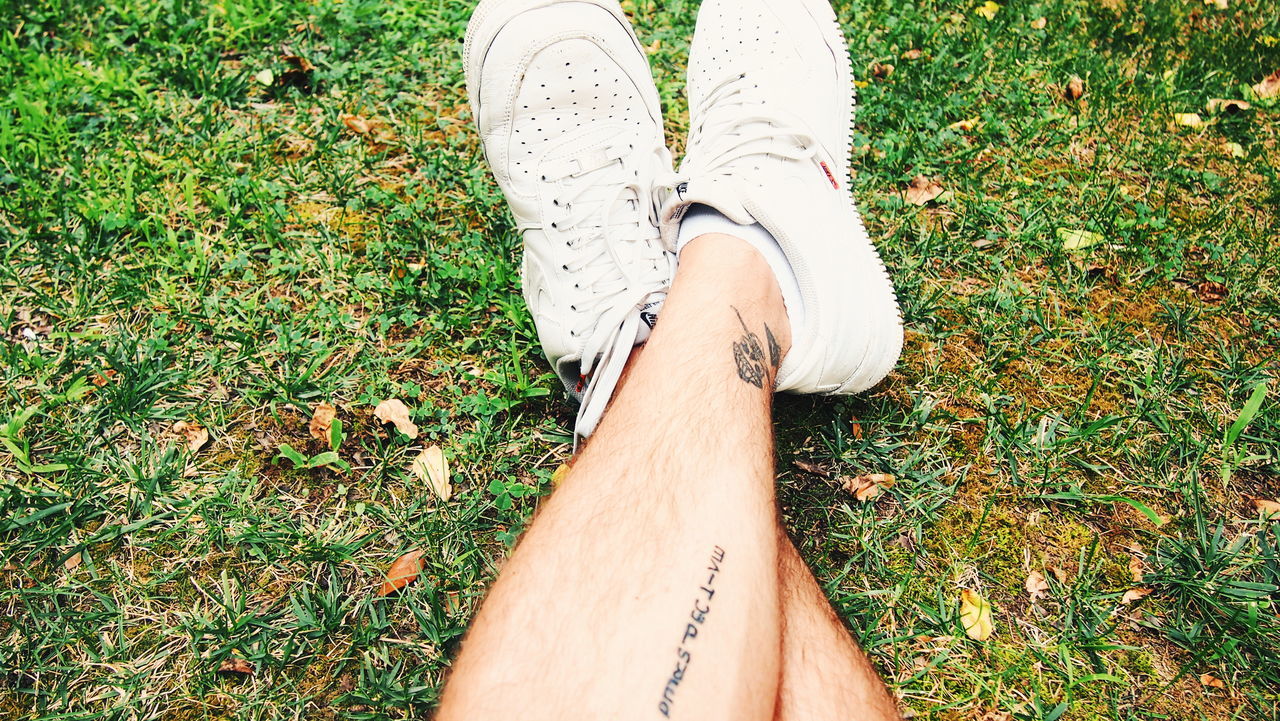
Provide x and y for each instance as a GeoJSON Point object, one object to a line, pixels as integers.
{"type": "Point", "coordinates": [572, 128]}
{"type": "Point", "coordinates": [771, 109]}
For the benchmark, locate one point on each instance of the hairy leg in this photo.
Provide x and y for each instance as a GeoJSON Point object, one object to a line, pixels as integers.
{"type": "Point", "coordinates": [824, 673]}
{"type": "Point", "coordinates": [647, 587]}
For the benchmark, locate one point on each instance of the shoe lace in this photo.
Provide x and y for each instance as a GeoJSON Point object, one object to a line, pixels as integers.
{"type": "Point", "coordinates": [738, 124]}
{"type": "Point", "coordinates": [606, 219]}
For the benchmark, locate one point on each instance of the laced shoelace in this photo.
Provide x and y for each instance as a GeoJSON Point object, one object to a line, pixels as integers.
{"type": "Point", "coordinates": [615, 274]}
{"type": "Point", "coordinates": [738, 124]}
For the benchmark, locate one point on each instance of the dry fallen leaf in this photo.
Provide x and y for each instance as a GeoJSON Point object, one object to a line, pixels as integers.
{"type": "Point", "coordinates": [1135, 594]}
{"type": "Point", "coordinates": [921, 190]}
{"type": "Point", "coordinates": [867, 487]}
{"type": "Point", "coordinates": [1135, 569]}
{"type": "Point", "coordinates": [357, 124]}
{"type": "Point", "coordinates": [855, 429]}
{"type": "Point", "coordinates": [1059, 574]}
{"type": "Point", "coordinates": [1190, 120]}
{"type": "Point", "coordinates": [195, 434]}
{"type": "Point", "coordinates": [236, 665]}
{"type": "Point", "coordinates": [1208, 680]}
{"type": "Point", "coordinates": [73, 561]}
{"type": "Point", "coordinates": [975, 615]}
{"type": "Point", "coordinates": [1269, 87]}
{"type": "Point", "coordinates": [1219, 4]}
{"type": "Point", "coordinates": [1078, 239]}
{"type": "Point", "coordinates": [1218, 105]}
{"type": "Point", "coordinates": [557, 477]}
{"type": "Point", "coordinates": [1266, 507]}
{"type": "Point", "coordinates": [432, 467]}
{"type": "Point", "coordinates": [1036, 585]}
{"type": "Point", "coordinates": [912, 54]}
{"type": "Point", "coordinates": [966, 125]}
{"type": "Point", "coordinates": [881, 70]}
{"type": "Point", "coordinates": [1075, 88]}
{"type": "Point", "coordinates": [403, 572]}
{"type": "Point", "coordinates": [1211, 292]}
{"type": "Point", "coordinates": [321, 420]}
{"type": "Point", "coordinates": [396, 412]}
{"type": "Point", "coordinates": [1235, 150]}
{"type": "Point", "coordinates": [813, 468]}
{"type": "Point", "coordinates": [1039, 23]}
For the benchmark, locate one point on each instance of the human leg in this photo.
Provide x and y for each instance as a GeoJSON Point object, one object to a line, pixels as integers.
{"type": "Point", "coordinates": [647, 586]}
{"type": "Point", "coordinates": [824, 673]}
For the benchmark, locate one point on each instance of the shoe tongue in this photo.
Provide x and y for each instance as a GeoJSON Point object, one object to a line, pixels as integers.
{"type": "Point", "coordinates": [721, 193]}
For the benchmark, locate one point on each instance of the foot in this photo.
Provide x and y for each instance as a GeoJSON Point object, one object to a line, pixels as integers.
{"type": "Point", "coordinates": [572, 129]}
{"type": "Point", "coordinates": [771, 108]}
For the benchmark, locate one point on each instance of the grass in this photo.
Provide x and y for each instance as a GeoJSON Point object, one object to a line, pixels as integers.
{"type": "Point", "coordinates": [186, 237]}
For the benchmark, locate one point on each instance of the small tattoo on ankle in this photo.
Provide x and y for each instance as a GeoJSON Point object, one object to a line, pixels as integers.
{"type": "Point", "coordinates": [749, 356]}
{"type": "Point", "coordinates": [697, 617]}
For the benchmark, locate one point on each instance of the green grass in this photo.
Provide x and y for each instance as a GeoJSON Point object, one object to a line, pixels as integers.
{"type": "Point", "coordinates": [181, 242]}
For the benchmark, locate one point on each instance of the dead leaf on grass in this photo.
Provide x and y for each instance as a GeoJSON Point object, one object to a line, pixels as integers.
{"type": "Point", "coordinates": [195, 434]}
{"type": "Point", "coordinates": [1269, 87]}
{"type": "Point", "coordinates": [394, 411]}
{"type": "Point", "coordinates": [557, 476]}
{"type": "Point", "coordinates": [1190, 120]}
{"type": "Point", "coordinates": [321, 420]}
{"type": "Point", "coordinates": [1036, 585]}
{"type": "Point", "coordinates": [1059, 574]}
{"type": "Point", "coordinates": [236, 665]}
{"type": "Point", "coordinates": [966, 125]}
{"type": "Point", "coordinates": [1135, 594]}
{"type": "Point", "coordinates": [1211, 292]}
{"type": "Point", "coordinates": [1266, 507]}
{"type": "Point", "coordinates": [1135, 569]}
{"type": "Point", "coordinates": [1039, 23]}
{"type": "Point", "coordinates": [1235, 150]}
{"type": "Point", "coordinates": [1208, 680]}
{"type": "Point", "coordinates": [813, 468]}
{"type": "Point", "coordinates": [975, 615]}
{"type": "Point", "coordinates": [1218, 105]}
{"type": "Point", "coordinates": [403, 571]}
{"type": "Point", "coordinates": [1074, 89]}
{"type": "Point", "coordinates": [73, 561]}
{"type": "Point", "coordinates": [1078, 239]}
{"type": "Point", "coordinates": [867, 487]}
{"type": "Point", "coordinates": [921, 190]}
{"type": "Point", "coordinates": [357, 124]}
{"type": "Point", "coordinates": [881, 70]}
{"type": "Point", "coordinates": [912, 54]}
{"type": "Point", "coordinates": [432, 467]}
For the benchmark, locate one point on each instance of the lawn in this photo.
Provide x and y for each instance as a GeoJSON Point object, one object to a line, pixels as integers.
{"type": "Point", "coordinates": [216, 216]}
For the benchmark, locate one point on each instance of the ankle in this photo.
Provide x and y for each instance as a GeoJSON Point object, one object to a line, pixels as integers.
{"type": "Point", "coordinates": [731, 270]}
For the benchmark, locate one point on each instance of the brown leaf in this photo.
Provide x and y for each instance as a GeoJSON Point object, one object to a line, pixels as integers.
{"type": "Point", "coordinates": [1135, 569]}
{"type": "Point", "coordinates": [813, 468]}
{"type": "Point", "coordinates": [357, 124]}
{"type": "Point", "coordinates": [1036, 585]}
{"type": "Point", "coordinates": [195, 434]}
{"type": "Point", "coordinates": [1269, 87]}
{"type": "Point", "coordinates": [881, 70]}
{"type": "Point", "coordinates": [921, 190]}
{"type": "Point", "coordinates": [1216, 105]}
{"type": "Point", "coordinates": [1135, 594]}
{"type": "Point", "coordinates": [73, 561]}
{"type": "Point", "coordinates": [1059, 574]}
{"type": "Point", "coordinates": [404, 571]}
{"type": "Point", "coordinates": [321, 420]}
{"type": "Point", "coordinates": [298, 63]}
{"type": "Point", "coordinates": [912, 54]}
{"type": "Point", "coordinates": [975, 615]}
{"type": "Point", "coordinates": [1039, 23]}
{"type": "Point", "coordinates": [1211, 292]}
{"type": "Point", "coordinates": [396, 412]}
{"type": "Point", "coordinates": [1266, 507]}
{"type": "Point", "coordinates": [867, 487]}
{"type": "Point", "coordinates": [855, 429]}
{"type": "Point", "coordinates": [236, 665]}
{"type": "Point", "coordinates": [432, 467]}
{"type": "Point", "coordinates": [1075, 89]}
{"type": "Point", "coordinates": [1208, 680]}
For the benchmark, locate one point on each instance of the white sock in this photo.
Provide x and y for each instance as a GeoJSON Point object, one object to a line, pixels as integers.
{"type": "Point", "coordinates": [703, 219]}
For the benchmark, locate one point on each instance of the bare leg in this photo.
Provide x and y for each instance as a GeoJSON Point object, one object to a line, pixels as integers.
{"type": "Point", "coordinates": [824, 673]}
{"type": "Point", "coordinates": [648, 585]}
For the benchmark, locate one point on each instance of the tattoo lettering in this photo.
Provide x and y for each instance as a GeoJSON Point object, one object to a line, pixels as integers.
{"type": "Point", "coordinates": [697, 617]}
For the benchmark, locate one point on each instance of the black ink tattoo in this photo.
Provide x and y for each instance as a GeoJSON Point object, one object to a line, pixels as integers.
{"type": "Point", "coordinates": [698, 617]}
{"type": "Point", "coordinates": [775, 350]}
{"type": "Point", "coordinates": [749, 356]}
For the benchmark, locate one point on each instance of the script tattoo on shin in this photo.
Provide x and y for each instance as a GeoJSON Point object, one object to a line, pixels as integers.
{"type": "Point", "coordinates": [749, 356]}
{"type": "Point", "coordinates": [697, 618]}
